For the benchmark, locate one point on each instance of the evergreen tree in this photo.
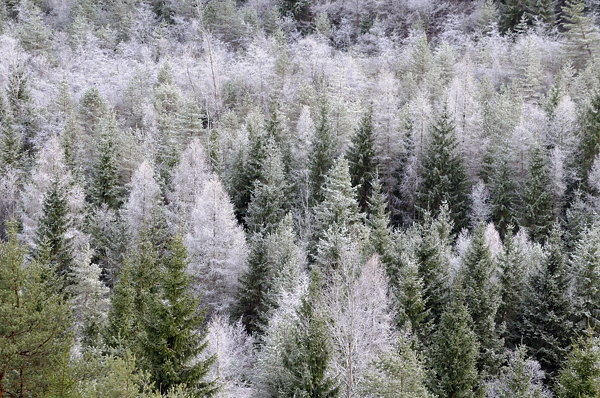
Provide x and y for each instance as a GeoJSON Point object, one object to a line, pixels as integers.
{"type": "Point", "coordinates": [582, 36]}
{"type": "Point", "coordinates": [10, 142]}
{"type": "Point", "coordinates": [512, 12]}
{"type": "Point", "coordinates": [307, 354]}
{"type": "Point", "coordinates": [105, 187]}
{"type": "Point", "coordinates": [521, 378]}
{"type": "Point", "coordinates": [513, 287]}
{"type": "Point", "coordinates": [589, 144]}
{"type": "Point", "coordinates": [585, 268]}
{"type": "Point", "coordinates": [122, 329]}
{"type": "Point", "coordinates": [269, 195]}
{"type": "Point", "coordinates": [322, 153]}
{"type": "Point", "coordinates": [378, 221]}
{"type": "Point", "coordinates": [444, 174]}
{"type": "Point", "coordinates": [172, 344]}
{"type": "Point", "coordinates": [361, 157]}
{"type": "Point", "coordinates": [92, 108]}
{"type": "Point", "coordinates": [580, 377]}
{"type": "Point", "coordinates": [537, 207]}
{"type": "Point", "coordinates": [53, 240]}
{"type": "Point", "coordinates": [455, 352]}
{"type": "Point", "coordinates": [502, 197]}
{"type": "Point", "coordinates": [35, 322]}
{"type": "Point", "coordinates": [545, 324]}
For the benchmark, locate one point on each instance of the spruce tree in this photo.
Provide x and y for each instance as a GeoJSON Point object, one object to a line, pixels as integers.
{"type": "Point", "coordinates": [322, 153]}
{"type": "Point", "coordinates": [545, 325]}
{"type": "Point", "coordinates": [537, 206]}
{"type": "Point", "coordinates": [580, 377]}
{"type": "Point", "coordinates": [582, 36]}
{"type": "Point", "coordinates": [585, 270]}
{"type": "Point", "coordinates": [10, 142]}
{"type": "Point", "coordinates": [92, 107]}
{"type": "Point", "coordinates": [482, 298]}
{"type": "Point", "coordinates": [172, 343]}
{"type": "Point", "coordinates": [361, 158]}
{"type": "Point", "coordinates": [378, 221]}
{"type": "Point", "coordinates": [502, 197]}
{"type": "Point", "coordinates": [53, 241]}
{"type": "Point", "coordinates": [455, 352]}
{"type": "Point", "coordinates": [306, 356]}
{"type": "Point", "coordinates": [122, 328]}
{"type": "Point", "coordinates": [444, 174]}
{"type": "Point", "coordinates": [589, 144]}
{"type": "Point", "coordinates": [105, 186]}
{"type": "Point", "coordinates": [35, 323]}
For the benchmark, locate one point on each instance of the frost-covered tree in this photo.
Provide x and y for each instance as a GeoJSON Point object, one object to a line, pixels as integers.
{"type": "Point", "coordinates": [582, 36]}
{"type": "Point", "coordinates": [361, 158]}
{"type": "Point", "coordinates": [217, 247]}
{"type": "Point", "coordinates": [322, 152]}
{"type": "Point", "coordinates": [585, 271]}
{"type": "Point", "coordinates": [141, 207]}
{"type": "Point", "coordinates": [580, 377]}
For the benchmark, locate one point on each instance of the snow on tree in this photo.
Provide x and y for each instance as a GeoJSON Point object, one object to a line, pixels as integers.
{"type": "Point", "coordinates": [217, 247]}
{"type": "Point", "coordinates": [582, 36]}
{"type": "Point", "coordinates": [144, 198]}
{"type": "Point", "coordinates": [580, 377]}
{"type": "Point", "coordinates": [480, 207]}
{"type": "Point", "coordinates": [585, 268]}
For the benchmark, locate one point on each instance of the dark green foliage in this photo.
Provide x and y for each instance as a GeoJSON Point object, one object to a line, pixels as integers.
{"type": "Point", "coordinates": [580, 377]}
{"type": "Point", "coordinates": [537, 205]}
{"type": "Point", "coordinates": [585, 271]}
{"type": "Point", "coordinates": [105, 187]}
{"type": "Point", "coordinates": [455, 352]}
{"type": "Point", "coordinates": [34, 323]}
{"type": "Point", "coordinates": [545, 325]}
{"type": "Point", "coordinates": [54, 243]}
{"type": "Point", "coordinates": [171, 343]}
{"type": "Point", "coordinates": [322, 153]}
{"type": "Point", "coordinates": [307, 355]}
{"type": "Point", "coordinates": [589, 144]}
{"type": "Point", "coordinates": [502, 197]}
{"type": "Point", "coordinates": [378, 220]}
{"type": "Point", "coordinates": [361, 157]}
{"type": "Point", "coordinates": [444, 174]}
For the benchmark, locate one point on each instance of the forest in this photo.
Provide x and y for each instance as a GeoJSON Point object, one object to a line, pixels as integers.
{"type": "Point", "coordinates": [300, 198]}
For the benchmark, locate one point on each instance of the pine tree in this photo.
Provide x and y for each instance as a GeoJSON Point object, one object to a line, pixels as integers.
{"type": "Point", "coordinates": [307, 354]}
{"type": "Point", "coordinates": [580, 377]}
{"type": "Point", "coordinates": [378, 221]}
{"type": "Point", "coordinates": [53, 241]}
{"type": "Point", "coordinates": [512, 12]}
{"type": "Point", "coordinates": [455, 352]}
{"type": "Point", "coordinates": [92, 108]}
{"type": "Point", "coordinates": [361, 157]}
{"type": "Point", "coordinates": [171, 343]}
{"type": "Point", "coordinates": [585, 269]}
{"type": "Point", "coordinates": [520, 378]}
{"type": "Point", "coordinates": [322, 153]}
{"type": "Point", "coordinates": [24, 118]}
{"type": "Point", "coordinates": [269, 194]}
{"type": "Point", "coordinates": [582, 36]}
{"type": "Point", "coordinates": [482, 298]}
{"type": "Point", "coordinates": [34, 331]}
{"type": "Point", "coordinates": [189, 122]}
{"type": "Point", "coordinates": [444, 174]}
{"type": "Point", "coordinates": [502, 198]}
{"type": "Point", "coordinates": [33, 33]}
{"type": "Point", "coordinates": [537, 207]}
{"type": "Point", "coordinates": [10, 143]}
{"type": "Point", "coordinates": [545, 324]}
{"type": "Point", "coordinates": [122, 329]}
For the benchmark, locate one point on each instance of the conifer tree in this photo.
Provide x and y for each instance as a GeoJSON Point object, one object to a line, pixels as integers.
{"type": "Point", "coordinates": [122, 329]}
{"type": "Point", "coordinates": [35, 322]}
{"type": "Point", "coordinates": [585, 269]}
{"type": "Point", "coordinates": [53, 241]}
{"type": "Point", "coordinates": [322, 153]}
{"type": "Point", "coordinates": [171, 343]}
{"type": "Point", "coordinates": [537, 207]}
{"type": "Point", "coordinates": [482, 298]}
{"type": "Point", "coordinates": [582, 36]}
{"type": "Point", "coordinates": [106, 187]}
{"type": "Point", "coordinates": [307, 354]}
{"type": "Point", "coordinates": [24, 118]}
{"type": "Point", "coordinates": [444, 174]}
{"type": "Point", "coordinates": [378, 221]}
{"type": "Point", "coordinates": [502, 198]}
{"type": "Point", "coordinates": [513, 287]}
{"type": "Point", "coordinates": [455, 352]}
{"type": "Point", "coordinates": [361, 158]}
{"type": "Point", "coordinates": [589, 144]}
{"type": "Point", "coordinates": [580, 377]}
{"type": "Point", "coordinates": [520, 378]}
{"type": "Point", "coordinates": [92, 107]}
{"type": "Point", "coordinates": [269, 194]}
{"type": "Point", "coordinates": [545, 325]}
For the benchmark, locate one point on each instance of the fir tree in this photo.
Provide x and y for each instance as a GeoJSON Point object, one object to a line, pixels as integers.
{"type": "Point", "coordinates": [361, 157]}
{"type": "Point", "coordinates": [580, 377]}
{"type": "Point", "coordinates": [53, 241]}
{"type": "Point", "coordinates": [322, 153]}
{"type": "Point", "coordinates": [10, 143]}
{"type": "Point", "coordinates": [171, 342]}
{"type": "Point", "coordinates": [122, 329]}
{"type": "Point", "coordinates": [545, 324]}
{"type": "Point", "coordinates": [589, 144]}
{"type": "Point", "coordinates": [92, 108]}
{"type": "Point", "coordinates": [378, 221]}
{"type": "Point", "coordinates": [35, 322]}
{"type": "Point", "coordinates": [307, 354]}
{"type": "Point", "coordinates": [105, 187]}
{"type": "Point", "coordinates": [455, 352]}
{"type": "Point", "coordinates": [537, 209]}
{"type": "Point", "coordinates": [444, 174]}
